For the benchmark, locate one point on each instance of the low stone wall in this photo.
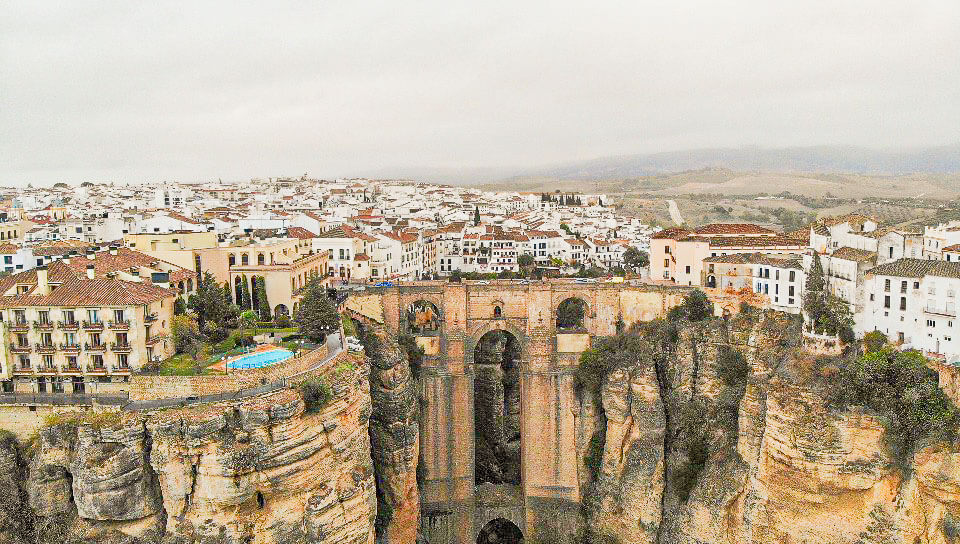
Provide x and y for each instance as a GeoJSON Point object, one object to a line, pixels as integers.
{"type": "Point", "coordinates": [165, 387]}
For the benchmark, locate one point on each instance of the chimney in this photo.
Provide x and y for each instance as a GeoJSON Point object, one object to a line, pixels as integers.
{"type": "Point", "coordinates": [91, 255]}
{"type": "Point", "coordinates": [90, 272]}
{"type": "Point", "coordinates": [114, 251]}
{"type": "Point", "coordinates": [136, 275]}
{"type": "Point", "coordinates": [43, 283]}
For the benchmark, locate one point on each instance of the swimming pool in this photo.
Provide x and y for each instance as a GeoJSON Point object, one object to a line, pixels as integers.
{"type": "Point", "coordinates": [260, 360]}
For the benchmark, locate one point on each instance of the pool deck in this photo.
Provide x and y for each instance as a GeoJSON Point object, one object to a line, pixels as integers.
{"type": "Point", "coordinates": [221, 366]}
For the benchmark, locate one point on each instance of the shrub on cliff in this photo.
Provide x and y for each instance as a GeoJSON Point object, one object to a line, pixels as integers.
{"type": "Point", "coordinates": [904, 391]}
{"type": "Point", "coordinates": [696, 307]}
{"type": "Point", "coordinates": [316, 394]}
{"type": "Point", "coordinates": [414, 353]}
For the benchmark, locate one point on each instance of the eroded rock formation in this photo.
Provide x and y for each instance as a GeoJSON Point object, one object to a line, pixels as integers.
{"type": "Point", "coordinates": [688, 457]}
{"type": "Point", "coordinates": [262, 470]}
{"type": "Point", "coordinates": [394, 437]}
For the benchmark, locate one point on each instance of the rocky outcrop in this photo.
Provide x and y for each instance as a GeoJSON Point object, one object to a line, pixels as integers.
{"type": "Point", "coordinates": [691, 457]}
{"type": "Point", "coordinates": [261, 470]}
{"type": "Point", "coordinates": [394, 437]}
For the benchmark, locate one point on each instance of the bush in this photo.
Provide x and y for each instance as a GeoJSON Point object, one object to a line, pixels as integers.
{"type": "Point", "coordinates": [696, 307]}
{"type": "Point", "coordinates": [732, 366]}
{"type": "Point", "coordinates": [904, 392]}
{"type": "Point", "coordinates": [874, 341]}
{"type": "Point", "coordinates": [316, 394]}
{"type": "Point", "coordinates": [283, 321]}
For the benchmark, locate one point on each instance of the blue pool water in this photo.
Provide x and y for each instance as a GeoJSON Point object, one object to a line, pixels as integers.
{"type": "Point", "coordinates": [260, 360]}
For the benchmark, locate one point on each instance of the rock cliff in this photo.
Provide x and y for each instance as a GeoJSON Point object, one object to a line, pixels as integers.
{"type": "Point", "coordinates": [261, 470]}
{"type": "Point", "coordinates": [684, 452]}
{"type": "Point", "coordinates": [395, 439]}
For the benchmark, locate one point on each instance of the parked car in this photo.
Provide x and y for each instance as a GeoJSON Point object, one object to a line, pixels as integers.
{"type": "Point", "coordinates": [481, 282]}
{"type": "Point", "coordinates": [585, 280]}
{"type": "Point", "coordinates": [384, 284]}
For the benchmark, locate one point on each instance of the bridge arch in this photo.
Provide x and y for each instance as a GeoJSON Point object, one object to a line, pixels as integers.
{"type": "Point", "coordinates": [500, 531]}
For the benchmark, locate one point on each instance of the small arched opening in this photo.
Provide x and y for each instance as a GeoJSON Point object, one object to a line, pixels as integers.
{"type": "Point", "coordinates": [244, 259]}
{"type": "Point", "coordinates": [261, 502]}
{"type": "Point", "coordinates": [711, 281]}
{"type": "Point", "coordinates": [571, 314]}
{"type": "Point", "coordinates": [500, 531]}
{"type": "Point", "coordinates": [261, 259]}
{"type": "Point", "coordinates": [281, 309]}
{"type": "Point", "coordinates": [497, 312]}
{"type": "Point", "coordinates": [423, 317]}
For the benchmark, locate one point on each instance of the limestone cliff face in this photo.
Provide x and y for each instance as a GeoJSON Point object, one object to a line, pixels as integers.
{"type": "Point", "coordinates": [262, 470]}
{"type": "Point", "coordinates": [395, 439]}
{"type": "Point", "coordinates": [689, 459]}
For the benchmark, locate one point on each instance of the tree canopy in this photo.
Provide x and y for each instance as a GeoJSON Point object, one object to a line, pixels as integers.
{"type": "Point", "coordinates": [316, 315]}
{"type": "Point", "coordinates": [214, 314]}
{"type": "Point", "coordinates": [635, 259]}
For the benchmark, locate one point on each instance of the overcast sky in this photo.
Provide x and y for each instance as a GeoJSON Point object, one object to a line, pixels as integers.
{"type": "Point", "coordinates": [145, 91]}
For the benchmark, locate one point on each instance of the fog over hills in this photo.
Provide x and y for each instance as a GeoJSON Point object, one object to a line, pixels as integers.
{"type": "Point", "coordinates": [821, 159]}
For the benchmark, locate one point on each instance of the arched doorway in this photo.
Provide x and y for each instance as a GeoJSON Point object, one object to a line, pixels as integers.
{"type": "Point", "coordinates": [281, 309]}
{"type": "Point", "coordinates": [496, 408]}
{"type": "Point", "coordinates": [500, 531]}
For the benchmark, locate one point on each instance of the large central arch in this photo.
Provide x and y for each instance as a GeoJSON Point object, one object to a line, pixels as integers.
{"type": "Point", "coordinates": [496, 410]}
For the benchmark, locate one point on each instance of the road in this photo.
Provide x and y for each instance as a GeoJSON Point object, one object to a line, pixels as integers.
{"type": "Point", "coordinates": [675, 212]}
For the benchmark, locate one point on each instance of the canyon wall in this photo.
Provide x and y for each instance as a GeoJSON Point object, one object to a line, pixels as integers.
{"type": "Point", "coordinates": [260, 470]}
{"type": "Point", "coordinates": [674, 453]}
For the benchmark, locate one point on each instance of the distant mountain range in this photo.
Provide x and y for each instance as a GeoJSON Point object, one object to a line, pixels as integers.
{"type": "Point", "coordinates": [821, 159]}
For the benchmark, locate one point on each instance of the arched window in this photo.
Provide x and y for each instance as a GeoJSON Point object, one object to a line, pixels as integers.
{"type": "Point", "coordinates": [244, 259]}
{"type": "Point", "coordinates": [570, 314]}
{"type": "Point", "coordinates": [261, 260]}
{"type": "Point", "coordinates": [189, 284]}
{"type": "Point", "coordinates": [422, 317]}
{"type": "Point", "coordinates": [233, 259]}
{"type": "Point", "coordinates": [497, 312]}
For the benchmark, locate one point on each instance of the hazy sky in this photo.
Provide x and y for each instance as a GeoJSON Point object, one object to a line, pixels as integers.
{"type": "Point", "coordinates": [143, 91]}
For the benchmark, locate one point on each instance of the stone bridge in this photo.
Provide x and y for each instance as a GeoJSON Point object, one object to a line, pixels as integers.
{"type": "Point", "coordinates": [448, 321]}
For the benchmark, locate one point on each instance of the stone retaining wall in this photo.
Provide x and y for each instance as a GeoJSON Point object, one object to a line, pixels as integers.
{"type": "Point", "coordinates": [164, 387]}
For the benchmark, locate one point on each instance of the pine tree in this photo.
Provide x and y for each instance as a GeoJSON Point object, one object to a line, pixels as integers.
{"type": "Point", "coordinates": [815, 296]}
{"type": "Point", "coordinates": [316, 315]}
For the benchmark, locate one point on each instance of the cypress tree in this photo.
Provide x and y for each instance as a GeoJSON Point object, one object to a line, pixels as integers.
{"type": "Point", "coordinates": [260, 297]}
{"type": "Point", "coordinates": [247, 302]}
{"type": "Point", "coordinates": [815, 296]}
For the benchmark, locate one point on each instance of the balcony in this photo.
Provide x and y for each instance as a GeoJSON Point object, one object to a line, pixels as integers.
{"type": "Point", "coordinates": [70, 348]}
{"type": "Point", "coordinates": [43, 325]}
{"type": "Point", "coordinates": [95, 347]}
{"type": "Point", "coordinates": [25, 369]}
{"type": "Point", "coordinates": [947, 312]}
{"type": "Point", "coordinates": [150, 318]}
{"type": "Point", "coordinates": [120, 325]}
{"type": "Point", "coordinates": [153, 340]}
{"type": "Point", "coordinates": [45, 348]}
{"type": "Point", "coordinates": [72, 368]}
{"type": "Point", "coordinates": [68, 325]}
{"type": "Point", "coordinates": [19, 348]}
{"type": "Point", "coordinates": [18, 326]}
{"type": "Point", "coordinates": [47, 370]}
{"type": "Point", "coordinates": [119, 348]}
{"type": "Point", "coordinates": [93, 325]}
{"type": "Point", "coordinates": [96, 368]}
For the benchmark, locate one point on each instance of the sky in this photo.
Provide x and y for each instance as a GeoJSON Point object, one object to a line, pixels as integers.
{"type": "Point", "coordinates": [191, 91]}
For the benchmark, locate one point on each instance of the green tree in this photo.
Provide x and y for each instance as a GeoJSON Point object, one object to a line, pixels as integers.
{"type": "Point", "coordinates": [260, 302]}
{"type": "Point", "coordinates": [814, 295]}
{"type": "Point", "coordinates": [570, 314]}
{"type": "Point", "coordinates": [696, 307]}
{"type": "Point", "coordinates": [246, 301]}
{"type": "Point", "coordinates": [526, 262]}
{"type": "Point", "coordinates": [316, 315]}
{"type": "Point", "coordinates": [210, 306]}
{"type": "Point", "coordinates": [635, 259]}
{"type": "Point", "coordinates": [179, 306]}
{"type": "Point", "coordinates": [874, 341]}
{"type": "Point", "coordinates": [185, 334]}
